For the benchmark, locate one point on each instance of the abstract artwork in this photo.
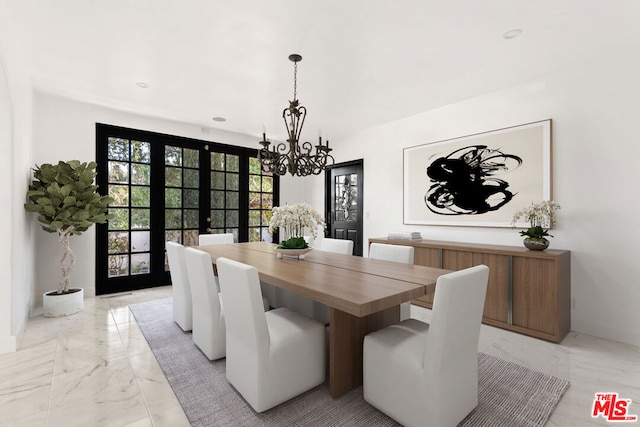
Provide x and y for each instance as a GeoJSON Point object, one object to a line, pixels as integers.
{"type": "Point", "coordinates": [478, 180]}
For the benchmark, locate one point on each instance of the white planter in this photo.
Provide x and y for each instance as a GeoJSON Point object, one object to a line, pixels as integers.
{"type": "Point", "coordinates": [54, 305]}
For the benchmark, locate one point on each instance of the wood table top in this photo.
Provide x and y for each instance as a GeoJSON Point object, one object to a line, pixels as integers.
{"type": "Point", "coordinates": [355, 285]}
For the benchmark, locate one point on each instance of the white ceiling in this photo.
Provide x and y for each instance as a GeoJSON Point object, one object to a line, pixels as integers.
{"type": "Point", "coordinates": [365, 62]}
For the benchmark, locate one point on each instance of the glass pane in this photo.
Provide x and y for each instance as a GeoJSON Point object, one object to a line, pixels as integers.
{"type": "Point", "coordinates": [267, 201]}
{"type": "Point", "coordinates": [266, 236]}
{"type": "Point", "coordinates": [254, 200]}
{"type": "Point", "coordinates": [254, 182]}
{"type": "Point", "coordinates": [118, 149]}
{"type": "Point", "coordinates": [120, 220]}
{"type": "Point", "coordinates": [266, 217]}
{"type": "Point", "coordinates": [267, 184]}
{"type": "Point", "coordinates": [217, 180]}
{"type": "Point", "coordinates": [346, 194]}
{"type": "Point", "coordinates": [120, 195]}
{"type": "Point", "coordinates": [140, 241]}
{"type": "Point", "coordinates": [254, 218]}
{"type": "Point", "coordinates": [172, 156]}
{"type": "Point", "coordinates": [232, 200]}
{"type": "Point", "coordinates": [118, 265]}
{"type": "Point", "coordinates": [173, 218]}
{"type": "Point", "coordinates": [119, 172]}
{"type": "Point", "coordinates": [191, 199]}
{"type": "Point", "coordinates": [191, 158]}
{"type": "Point", "coordinates": [254, 234]}
{"type": "Point", "coordinates": [254, 165]}
{"type": "Point", "coordinates": [191, 237]}
{"type": "Point", "coordinates": [232, 163]}
{"type": "Point", "coordinates": [191, 178]}
{"type": "Point", "coordinates": [173, 198]}
{"type": "Point", "coordinates": [232, 218]}
{"type": "Point", "coordinates": [172, 236]}
{"type": "Point", "coordinates": [140, 218]}
{"type": "Point", "coordinates": [190, 218]}
{"type": "Point", "coordinates": [118, 242]}
{"type": "Point", "coordinates": [217, 199]}
{"type": "Point", "coordinates": [217, 161]}
{"type": "Point", "coordinates": [173, 177]}
{"type": "Point", "coordinates": [232, 181]}
{"type": "Point", "coordinates": [140, 152]}
{"type": "Point", "coordinates": [217, 219]}
{"type": "Point", "coordinates": [141, 197]}
{"type": "Point", "coordinates": [140, 264]}
{"type": "Point", "coordinates": [140, 174]}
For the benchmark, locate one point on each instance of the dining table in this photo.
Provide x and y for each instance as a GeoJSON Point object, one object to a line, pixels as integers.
{"type": "Point", "coordinates": [363, 295]}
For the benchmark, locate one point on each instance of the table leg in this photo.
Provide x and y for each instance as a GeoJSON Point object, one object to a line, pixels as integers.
{"type": "Point", "coordinates": [346, 335]}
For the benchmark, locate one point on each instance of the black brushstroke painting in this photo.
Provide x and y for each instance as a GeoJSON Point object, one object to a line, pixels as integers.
{"type": "Point", "coordinates": [463, 181]}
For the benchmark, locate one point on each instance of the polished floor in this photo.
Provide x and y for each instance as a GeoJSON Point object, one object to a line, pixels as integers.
{"type": "Point", "coordinates": [96, 369]}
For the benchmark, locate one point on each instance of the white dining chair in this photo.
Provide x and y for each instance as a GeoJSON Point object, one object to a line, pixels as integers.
{"type": "Point", "coordinates": [420, 373]}
{"type": "Point", "coordinates": [339, 246]}
{"type": "Point", "coordinates": [215, 239]}
{"type": "Point", "coordinates": [394, 253]}
{"type": "Point", "coordinates": [208, 314]}
{"type": "Point", "coordinates": [180, 289]}
{"type": "Point", "coordinates": [271, 356]}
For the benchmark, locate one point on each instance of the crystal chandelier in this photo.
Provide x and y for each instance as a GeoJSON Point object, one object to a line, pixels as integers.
{"type": "Point", "coordinates": [297, 158]}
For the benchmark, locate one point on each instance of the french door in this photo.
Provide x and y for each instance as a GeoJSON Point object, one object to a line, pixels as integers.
{"type": "Point", "coordinates": [168, 188]}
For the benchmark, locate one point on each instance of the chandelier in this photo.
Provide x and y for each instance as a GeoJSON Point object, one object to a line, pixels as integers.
{"type": "Point", "coordinates": [294, 157]}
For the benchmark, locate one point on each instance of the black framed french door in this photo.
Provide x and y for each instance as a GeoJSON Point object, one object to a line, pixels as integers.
{"type": "Point", "coordinates": [169, 188]}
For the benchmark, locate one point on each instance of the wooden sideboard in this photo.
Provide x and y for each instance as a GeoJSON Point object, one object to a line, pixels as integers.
{"type": "Point", "coordinates": [528, 292]}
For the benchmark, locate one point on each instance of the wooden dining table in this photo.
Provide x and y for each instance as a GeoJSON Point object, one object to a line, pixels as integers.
{"type": "Point", "coordinates": [363, 294]}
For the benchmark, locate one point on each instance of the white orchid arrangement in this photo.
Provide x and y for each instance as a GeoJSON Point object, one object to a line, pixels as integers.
{"type": "Point", "coordinates": [541, 217]}
{"type": "Point", "coordinates": [294, 219]}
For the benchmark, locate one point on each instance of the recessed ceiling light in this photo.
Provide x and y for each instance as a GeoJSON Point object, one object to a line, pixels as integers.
{"type": "Point", "coordinates": [142, 85]}
{"type": "Point", "coordinates": [218, 119]}
{"type": "Point", "coordinates": [512, 34]}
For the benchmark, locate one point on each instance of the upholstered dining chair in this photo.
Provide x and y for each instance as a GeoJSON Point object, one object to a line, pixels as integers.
{"type": "Point", "coordinates": [180, 289]}
{"type": "Point", "coordinates": [394, 253]}
{"type": "Point", "coordinates": [419, 373]}
{"type": "Point", "coordinates": [215, 239]}
{"type": "Point", "coordinates": [271, 356]}
{"type": "Point", "coordinates": [338, 246]}
{"type": "Point", "coordinates": [208, 314]}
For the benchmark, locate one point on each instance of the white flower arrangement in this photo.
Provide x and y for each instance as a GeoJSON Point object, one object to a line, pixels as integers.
{"type": "Point", "coordinates": [293, 219]}
{"type": "Point", "coordinates": [540, 217]}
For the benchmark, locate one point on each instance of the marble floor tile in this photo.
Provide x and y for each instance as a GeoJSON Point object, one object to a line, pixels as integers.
{"type": "Point", "coordinates": [96, 369]}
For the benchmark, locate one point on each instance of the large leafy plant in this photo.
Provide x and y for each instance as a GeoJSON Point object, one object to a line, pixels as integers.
{"type": "Point", "coordinates": [68, 203]}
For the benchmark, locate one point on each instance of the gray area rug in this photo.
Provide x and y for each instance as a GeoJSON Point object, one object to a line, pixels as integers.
{"type": "Point", "coordinates": [509, 394]}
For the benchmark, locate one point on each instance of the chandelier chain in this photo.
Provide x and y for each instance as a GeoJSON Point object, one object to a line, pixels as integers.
{"type": "Point", "coordinates": [295, 80]}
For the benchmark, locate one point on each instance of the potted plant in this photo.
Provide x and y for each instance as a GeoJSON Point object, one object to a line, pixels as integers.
{"type": "Point", "coordinates": [541, 217]}
{"type": "Point", "coordinates": [293, 219]}
{"type": "Point", "coordinates": [68, 203]}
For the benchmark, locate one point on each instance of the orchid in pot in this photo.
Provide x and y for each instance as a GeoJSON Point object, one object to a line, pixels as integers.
{"type": "Point", "coordinates": [293, 220]}
{"type": "Point", "coordinates": [541, 217]}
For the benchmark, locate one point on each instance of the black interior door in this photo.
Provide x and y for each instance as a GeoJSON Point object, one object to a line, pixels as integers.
{"type": "Point", "coordinates": [343, 188]}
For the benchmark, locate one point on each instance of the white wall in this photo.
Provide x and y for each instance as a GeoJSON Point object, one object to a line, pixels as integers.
{"type": "Point", "coordinates": [65, 129]}
{"type": "Point", "coordinates": [596, 151]}
{"type": "Point", "coordinates": [7, 339]}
